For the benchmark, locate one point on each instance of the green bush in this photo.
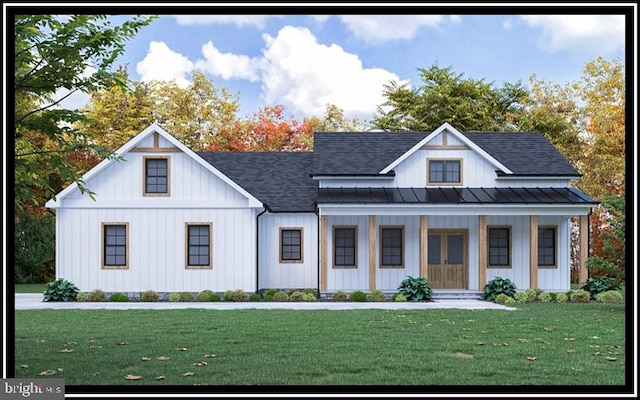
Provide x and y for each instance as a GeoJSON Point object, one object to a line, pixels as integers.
{"type": "Point", "coordinates": [358, 296]}
{"type": "Point", "coordinates": [377, 295]}
{"type": "Point", "coordinates": [281, 296]}
{"type": "Point", "coordinates": [34, 250]}
{"type": "Point", "coordinates": [309, 296]}
{"type": "Point", "coordinates": [561, 297]}
{"type": "Point", "coordinates": [227, 295]}
{"type": "Point", "coordinates": [119, 297]}
{"type": "Point", "coordinates": [268, 297]}
{"type": "Point", "coordinates": [215, 298]}
{"type": "Point", "coordinates": [254, 297]}
{"type": "Point", "coordinates": [399, 297]}
{"type": "Point", "coordinates": [530, 294]}
{"type": "Point", "coordinates": [600, 285]}
{"type": "Point", "coordinates": [545, 297]}
{"type": "Point", "coordinates": [204, 295]}
{"type": "Point", "coordinates": [238, 296]}
{"type": "Point", "coordinates": [97, 295]}
{"type": "Point", "coordinates": [580, 296]}
{"type": "Point", "coordinates": [311, 291]}
{"type": "Point", "coordinates": [149, 296]}
{"type": "Point", "coordinates": [173, 297]}
{"type": "Point", "coordinates": [186, 296]}
{"type": "Point", "coordinates": [502, 298]}
{"type": "Point", "coordinates": [81, 296]}
{"type": "Point", "coordinates": [415, 289]}
{"type": "Point", "coordinates": [296, 296]}
{"type": "Point", "coordinates": [60, 290]}
{"type": "Point", "coordinates": [610, 296]}
{"type": "Point", "coordinates": [521, 297]}
{"type": "Point", "coordinates": [270, 292]}
{"type": "Point", "coordinates": [339, 296]}
{"type": "Point", "coordinates": [497, 286]}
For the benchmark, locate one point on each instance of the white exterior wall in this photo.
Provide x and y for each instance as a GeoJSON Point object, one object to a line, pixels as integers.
{"type": "Point", "coordinates": [157, 247]}
{"type": "Point", "coordinates": [277, 275]}
{"type": "Point", "coordinates": [557, 279]}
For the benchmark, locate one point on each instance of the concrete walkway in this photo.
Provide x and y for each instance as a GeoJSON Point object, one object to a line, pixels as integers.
{"type": "Point", "coordinates": [29, 301]}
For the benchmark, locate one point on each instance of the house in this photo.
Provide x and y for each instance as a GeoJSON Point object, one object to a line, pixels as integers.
{"type": "Point", "coordinates": [362, 211]}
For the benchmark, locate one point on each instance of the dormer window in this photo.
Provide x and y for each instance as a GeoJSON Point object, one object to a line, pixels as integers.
{"type": "Point", "coordinates": [156, 176]}
{"type": "Point", "coordinates": [444, 172]}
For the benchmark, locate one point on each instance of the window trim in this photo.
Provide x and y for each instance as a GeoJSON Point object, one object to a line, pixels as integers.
{"type": "Point", "coordinates": [555, 246]}
{"type": "Point", "coordinates": [293, 261]}
{"type": "Point", "coordinates": [103, 236]}
{"type": "Point", "coordinates": [509, 254]}
{"type": "Point", "coordinates": [186, 244]}
{"type": "Point", "coordinates": [444, 183]}
{"type": "Point", "coordinates": [402, 247]}
{"type": "Point", "coordinates": [144, 176]}
{"type": "Point", "coordinates": [355, 247]}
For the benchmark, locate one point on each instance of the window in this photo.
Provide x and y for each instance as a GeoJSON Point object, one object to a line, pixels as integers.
{"type": "Point", "coordinates": [345, 240]}
{"type": "Point", "coordinates": [291, 245]}
{"type": "Point", "coordinates": [444, 172]}
{"type": "Point", "coordinates": [198, 246]}
{"type": "Point", "coordinates": [392, 248]}
{"type": "Point", "coordinates": [156, 176]}
{"type": "Point", "coordinates": [499, 247]}
{"type": "Point", "coordinates": [115, 245]}
{"type": "Point", "coordinates": [547, 247]}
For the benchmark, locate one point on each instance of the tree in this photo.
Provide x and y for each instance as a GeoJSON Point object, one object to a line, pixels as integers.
{"type": "Point", "coordinates": [608, 243]}
{"type": "Point", "coordinates": [467, 104]}
{"type": "Point", "coordinates": [52, 55]}
{"type": "Point", "coordinates": [334, 120]}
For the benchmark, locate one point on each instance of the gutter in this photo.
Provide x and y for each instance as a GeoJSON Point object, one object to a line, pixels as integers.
{"type": "Point", "coordinates": [266, 208]}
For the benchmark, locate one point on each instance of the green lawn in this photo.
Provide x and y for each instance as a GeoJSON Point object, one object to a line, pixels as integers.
{"type": "Point", "coordinates": [30, 287]}
{"type": "Point", "coordinates": [540, 344]}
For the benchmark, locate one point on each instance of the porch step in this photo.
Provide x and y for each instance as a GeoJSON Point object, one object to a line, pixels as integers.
{"type": "Point", "coordinates": [454, 294]}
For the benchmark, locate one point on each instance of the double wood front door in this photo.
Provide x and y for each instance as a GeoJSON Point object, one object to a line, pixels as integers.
{"type": "Point", "coordinates": [447, 259]}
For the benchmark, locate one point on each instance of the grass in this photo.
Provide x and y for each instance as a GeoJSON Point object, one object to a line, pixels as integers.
{"type": "Point", "coordinates": [540, 344]}
{"type": "Point", "coordinates": [30, 287]}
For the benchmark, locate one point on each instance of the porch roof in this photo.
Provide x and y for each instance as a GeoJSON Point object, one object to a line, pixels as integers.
{"type": "Point", "coordinates": [470, 196]}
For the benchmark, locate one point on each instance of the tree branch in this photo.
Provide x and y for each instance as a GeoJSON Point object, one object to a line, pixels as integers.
{"type": "Point", "coordinates": [45, 107]}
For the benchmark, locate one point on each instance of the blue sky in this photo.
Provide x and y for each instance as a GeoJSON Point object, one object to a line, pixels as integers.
{"type": "Point", "coordinates": [306, 61]}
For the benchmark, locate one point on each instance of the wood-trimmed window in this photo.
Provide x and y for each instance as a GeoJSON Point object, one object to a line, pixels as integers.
{"type": "Point", "coordinates": [499, 251]}
{"type": "Point", "coordinates": [198, 245]}
{"type": "Point", "coordinates": [115, 245]}
{"type": "Point", "coordinates": [345, 247]}
{"type": "Point", "coordinates": [291, 245]}
{"type": "Point", "coordinates": [391, 246]}
{"type": "Point", "coordinates": [156, 176]}
{"type": "Point", "coordinates": [547, 247]}
{"type": "Point", "coordinates": [444, 172]}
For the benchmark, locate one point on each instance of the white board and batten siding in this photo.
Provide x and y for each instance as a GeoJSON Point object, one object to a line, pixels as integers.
{"type": "Point", "coordinates": [274, 274]}
{"type": "Point", "coordinates": [157, 229]}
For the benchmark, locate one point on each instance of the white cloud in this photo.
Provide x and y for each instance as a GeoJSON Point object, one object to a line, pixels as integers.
{"type": "Point", "coordinates": [305, 75]}
{"type": "Point", "coordinates": [598, 34]}
{"type": "Point", "coordinates": [376, 29]}
{"type": "Point", "coordinates": [163, 64]}
{"type": "Point", "coordinates": [227, 65]}
{"type": "Point", "coordinates": [258, 21]}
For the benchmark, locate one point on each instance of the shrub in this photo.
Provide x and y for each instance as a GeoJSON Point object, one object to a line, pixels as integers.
{"type": "Point", "coordinates": [149, 296]}
{"type": "Point", "coordinates": [399, 297]}
{"type": "Point", "coordinates": [34, 251]}
{"type": "Point", "coordinates": [309, 296]}
{"type": "Point", "coordinates": [610, 296]}
{"type": "Point", "coordinates": [377, 295]}
{"type": "Point", "coordinates": [311, 291]}
{"type": "Point", "coordinates": [270, 292]}
{"type": "Point", "coordinates": [296, 296]}
{"type": "Point", "coordinates": [204, 295]}
{"type": "Point", "coordinates": [600, 285]}
{"type": "Point", "coordinates": [119, 297]}
{"type": "Point", "coordinates": [227, 295]}
{"type": "Point", "coordinates": [497, 286]}
{"type": "Point", "coordinates": [254, 297]}
{"type": "Point", "coordinates": [173, 297]}
{"type": "Point", "coordinates": [502, 298]}
{"type": "Point", "coordinates": [339, 296]}
{"type": "Point", "coordinates": [238, 296]}
{"type": "Point", "coordinates": [530, 294]}
{"type": "Point", "coordinates": [215, 298]}
{"type": "Point", "coordinates": [415, 289]}
{"type": "Point", "coordinates": [97, 295]}
{"type": "Point", "coordinates": [268, 297]}
{"type": "Point", "coordinates": [545, 297]}
{"type": "Point", "coordinates": [509, 301]}
{"type": "Point", "coordinates": [580, 296]}
{"type": "Point", "coordinates": [186, 296]}
{"type": "Point", "coordinates": [561, 297]}
{"type": "Point", "coordinates": [280, 296]}
{"type": "Point", "coordinates": [60, 290]}
{"type": "Point", "coordinates": [358, 296]}
{"type": "Point", "coordinates": [521, 297]}
{"type": "Point", "coordinates": [81, 296]}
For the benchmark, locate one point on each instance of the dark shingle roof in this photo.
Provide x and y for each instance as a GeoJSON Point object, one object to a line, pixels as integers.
{"type": "Point", "coordinates": [523, 153]}
{"type": "Point", "coordinates": [279, 179]}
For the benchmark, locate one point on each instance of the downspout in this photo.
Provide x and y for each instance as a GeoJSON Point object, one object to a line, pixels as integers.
{"type": "Point", "coordinates": [266, 208]}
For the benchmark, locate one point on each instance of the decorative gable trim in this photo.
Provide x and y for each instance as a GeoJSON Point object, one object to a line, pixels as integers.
{"type": "Point", "coordinates": [446, 127]}
{"type": "Point", "coordinates": [158, 131]}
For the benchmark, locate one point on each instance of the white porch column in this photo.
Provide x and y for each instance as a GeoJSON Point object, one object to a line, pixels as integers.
{"type": "Point", "coordinates": [424, 249]}
{"type": "Point", "coordinates": [482, 251]}
{"type": "Point", "coordinates": [533, 251]}
{"type": "Point", "coordinates": [323, 253]}
{"type": "Point", "coordinates": [372, 252]}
